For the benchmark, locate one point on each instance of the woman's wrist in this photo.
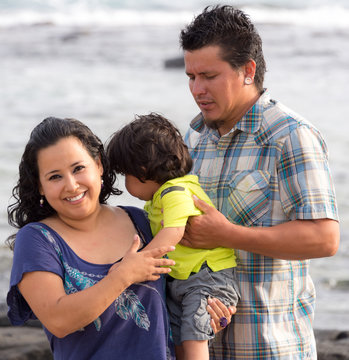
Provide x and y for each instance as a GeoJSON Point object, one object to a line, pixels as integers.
{"type": "Point", "coordinates": [120, 278]}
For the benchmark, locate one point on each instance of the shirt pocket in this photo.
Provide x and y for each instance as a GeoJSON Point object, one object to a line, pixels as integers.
{"type": "Point", "coordinates": [249, 197]}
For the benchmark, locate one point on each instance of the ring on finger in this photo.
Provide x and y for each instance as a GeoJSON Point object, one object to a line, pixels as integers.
{"type": "Point", "coordinates": [223, 322]}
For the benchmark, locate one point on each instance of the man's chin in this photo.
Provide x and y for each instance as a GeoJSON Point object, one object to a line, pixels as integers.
{"type": "Point", "coordinates": [214, 124]}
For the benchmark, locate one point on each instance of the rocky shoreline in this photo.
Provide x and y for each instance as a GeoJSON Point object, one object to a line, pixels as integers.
{"type": "Point", "coordinates": [29, 342]}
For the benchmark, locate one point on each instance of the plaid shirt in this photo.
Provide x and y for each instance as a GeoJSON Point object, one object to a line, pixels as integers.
{"type": "Point", "coordinates": [272, 167]}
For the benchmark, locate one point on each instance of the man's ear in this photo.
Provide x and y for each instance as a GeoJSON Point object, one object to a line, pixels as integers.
{"type": "Point", "coordinates": [250, 69]}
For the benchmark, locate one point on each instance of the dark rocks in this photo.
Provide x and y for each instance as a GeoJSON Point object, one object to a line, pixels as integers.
{"type": "Point", "coordinates": [332, 344]}
{"type": "Point", "coordinates": [24, 343]}
{"type": "Point", "coordinates": [73, 36]}
{"type": "Point", "coordinates": [177, 62]}
{"type": "Point", "coordinates": [27, 342]}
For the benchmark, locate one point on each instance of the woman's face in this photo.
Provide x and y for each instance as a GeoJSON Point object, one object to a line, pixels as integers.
{"type": "Point", "coordinates": [70, 179]}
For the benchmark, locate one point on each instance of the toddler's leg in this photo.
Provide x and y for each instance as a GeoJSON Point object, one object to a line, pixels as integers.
{"type": "Point", "coordinates": [195, 350]}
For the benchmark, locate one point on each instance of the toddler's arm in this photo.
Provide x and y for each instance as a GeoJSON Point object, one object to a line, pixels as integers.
{"type": "Point", "coordinates": [167, 236]}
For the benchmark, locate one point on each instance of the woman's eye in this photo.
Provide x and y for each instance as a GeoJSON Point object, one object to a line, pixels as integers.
{"type": "Point", "coordinates": [54, 177]}
{"type": "Point", "coordinates": [79, 168]}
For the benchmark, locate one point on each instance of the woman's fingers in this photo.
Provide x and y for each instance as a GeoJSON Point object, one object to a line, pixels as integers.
{"type": "Point", "coordinates": [164, 262]}
{"type": "Point", "coordinates": [162, 265]}
{"type": "Point", "coordinates": [227, 311]}
{"type": "Point", "coordinates": [215, 313]}
{"type": "Point", "coordinates": [135, 244]}
{"type": "Point", "coordinates": [232, 310]}
{"type": "Point", "coordinates": [220, 314]}
{"type": "Point", "coordinates": [160, 252]}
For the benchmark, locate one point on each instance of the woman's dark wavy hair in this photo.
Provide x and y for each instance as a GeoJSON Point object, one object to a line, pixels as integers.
{"type": "Point", "coordinates": [149, 148]}
{"type": "Point", "coordinates": [26, 207]}
{"type": "Point", "coordinates": [233, 31]}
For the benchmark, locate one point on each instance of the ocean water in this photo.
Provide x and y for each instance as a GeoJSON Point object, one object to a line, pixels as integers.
{"type": "Point", "coordinates": [102, 61]}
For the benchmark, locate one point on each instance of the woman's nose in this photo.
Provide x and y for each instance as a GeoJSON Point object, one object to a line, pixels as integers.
{"type": "Point", "coordinates": [71, 184]}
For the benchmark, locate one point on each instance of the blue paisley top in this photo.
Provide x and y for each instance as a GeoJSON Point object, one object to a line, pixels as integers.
{"type": "Point", "coordinates": [135, 326]}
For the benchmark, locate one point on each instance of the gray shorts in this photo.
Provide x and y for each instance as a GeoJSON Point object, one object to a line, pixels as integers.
{"type": "Point", "coordinates": [187, 302]}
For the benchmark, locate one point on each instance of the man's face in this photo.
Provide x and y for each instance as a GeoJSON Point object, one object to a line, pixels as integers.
{"type": "Point", "coordinates": [217, 88]}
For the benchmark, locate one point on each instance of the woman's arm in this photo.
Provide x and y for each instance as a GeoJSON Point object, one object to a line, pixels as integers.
{"type": "Point", "coordinates": [64, 314]}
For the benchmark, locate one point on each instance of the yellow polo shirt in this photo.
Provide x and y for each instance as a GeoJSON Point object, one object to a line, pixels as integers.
{"type": "Point", "coordinates": [173, 204]}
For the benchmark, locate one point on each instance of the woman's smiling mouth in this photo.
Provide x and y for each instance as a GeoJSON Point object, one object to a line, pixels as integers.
{"type": "Point", "coordinates": [75, 198]}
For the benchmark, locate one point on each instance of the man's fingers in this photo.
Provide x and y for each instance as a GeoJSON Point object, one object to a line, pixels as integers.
{"type": "Point", "coordinates": [200, 204]}
{"type": "Point", "coordinates": [185, 242]}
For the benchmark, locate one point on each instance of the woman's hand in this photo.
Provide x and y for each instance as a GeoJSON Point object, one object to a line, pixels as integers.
{"type": "Point", "coordinates": [146, 265]}
{"type": "Point", "coordinates": [219, 312]}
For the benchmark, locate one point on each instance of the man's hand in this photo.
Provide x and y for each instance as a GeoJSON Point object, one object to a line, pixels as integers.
{"type": "Point", "coordinates": [204, 231]}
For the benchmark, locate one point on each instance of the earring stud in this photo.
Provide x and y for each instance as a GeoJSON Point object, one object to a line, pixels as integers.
{"type": "Point", "coordinates": [42, 201]}
{"type": "Point", "coordinates": [248, 80]}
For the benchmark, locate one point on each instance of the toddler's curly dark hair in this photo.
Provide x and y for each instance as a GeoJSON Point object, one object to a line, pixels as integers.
{"type": "Point", "coordinates": [149, 148]}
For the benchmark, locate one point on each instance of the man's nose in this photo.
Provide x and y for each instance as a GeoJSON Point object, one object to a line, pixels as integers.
{"type": "Point", "coordinates": [197, 87]}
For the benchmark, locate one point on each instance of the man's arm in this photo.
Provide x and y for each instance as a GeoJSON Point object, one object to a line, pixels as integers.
{"type": "Point", "coordinates": [294, 240]}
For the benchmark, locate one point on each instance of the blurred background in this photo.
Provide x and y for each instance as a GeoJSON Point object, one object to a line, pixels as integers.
{"type": "Point", "coordinates": [102, 61]}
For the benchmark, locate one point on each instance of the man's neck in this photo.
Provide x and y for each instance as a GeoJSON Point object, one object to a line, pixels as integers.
{"type": "Point", "coordinates": [244, 107]}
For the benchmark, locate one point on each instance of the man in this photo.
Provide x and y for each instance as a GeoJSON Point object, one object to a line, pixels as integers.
{"type": "Point", "coordinates": [266, 171]}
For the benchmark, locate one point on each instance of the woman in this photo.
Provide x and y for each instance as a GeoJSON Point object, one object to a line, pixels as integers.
{"type": "Point", "coordinates": [76, 266]}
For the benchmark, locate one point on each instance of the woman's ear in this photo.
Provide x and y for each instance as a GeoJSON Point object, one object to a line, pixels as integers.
{"type": "Point", "coordinates": [100, 166]}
